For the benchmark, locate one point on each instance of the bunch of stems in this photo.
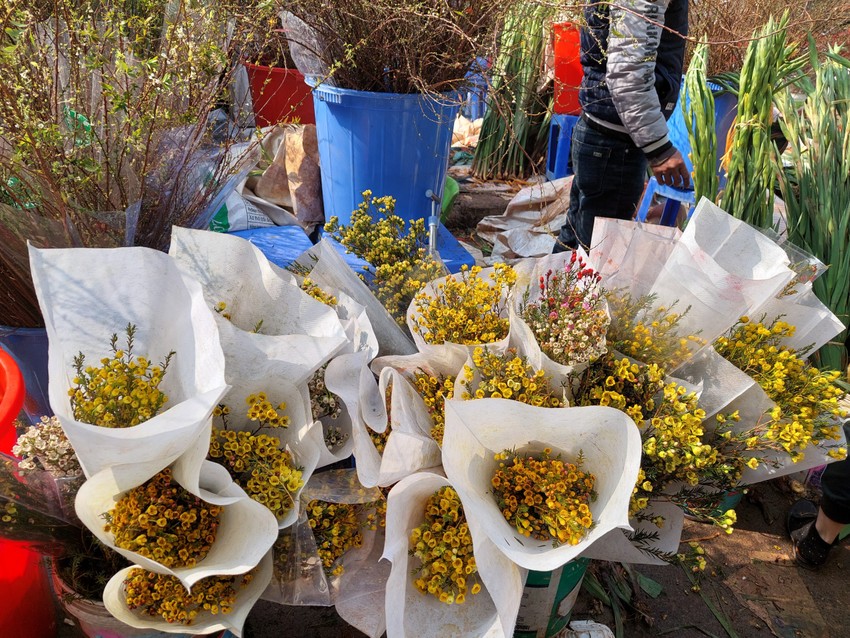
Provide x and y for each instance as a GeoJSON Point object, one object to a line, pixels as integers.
{"type": "Point", "coordinates": [750, 166]}
{"type": "Point", "coordinates": [699, 111]}
{"type": "Point", "coordinates": [513, 134]}
{"type": "Point", "coordinates": [816, 184]}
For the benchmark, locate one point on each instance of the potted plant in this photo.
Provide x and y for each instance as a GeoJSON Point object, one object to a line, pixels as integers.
{"type": "Point", "coordinates": [387, 76]}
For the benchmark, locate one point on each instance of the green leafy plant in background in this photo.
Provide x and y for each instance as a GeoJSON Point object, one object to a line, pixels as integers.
{"type": "Point", "coordinates": [815, 183]}
{"type": "Point", "coordinates": [750, 169]}
{"type": "Point", "coordinates": [516, 125]}
{"type": "Point", "coordinates": [699, 111]}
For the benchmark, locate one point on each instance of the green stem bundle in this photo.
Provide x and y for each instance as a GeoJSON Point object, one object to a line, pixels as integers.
{"type": "Point", "coordinates": [699, 111]}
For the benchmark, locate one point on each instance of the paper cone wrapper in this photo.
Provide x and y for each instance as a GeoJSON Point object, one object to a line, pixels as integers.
{"type": "Point", "coordinates": [630, 255]}
{"type": "Point", "coordinates": [618, 544]}
{"type": "Point", "coordinates": [720, 269]}
{"type": "Point", "coordinates": [298, 334]}
{"type": "Point", "coordinates": [433, 350]}
{"type": "Point", "coordinates": [410, 612]}
{"type": "Point", "coordinates": [329, 271]}
{"type": "Point", "coordinates": [205, 622]}
{"type": "Point", "coordinates": [246, 532]}
{"type": "Point", "coordinates": [86, 296]}
{"type": "Point", "coordinates": [477, 430]}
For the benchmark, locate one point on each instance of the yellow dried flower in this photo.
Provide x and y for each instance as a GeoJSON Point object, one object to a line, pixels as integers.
{"type": "Point", "coordinates": [507, 376]}
{"type": "Point", "coordinates": [443, 545]}
{"type": "Point", "coordinates": [123, 391]}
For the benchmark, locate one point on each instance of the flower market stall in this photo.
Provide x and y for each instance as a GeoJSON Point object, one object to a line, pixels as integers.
{"type": "Point", "coordinates": [431, 446]}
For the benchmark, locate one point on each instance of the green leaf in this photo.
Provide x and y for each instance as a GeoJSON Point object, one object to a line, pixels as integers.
{"type": "Point", "coordinates": [652, 587]}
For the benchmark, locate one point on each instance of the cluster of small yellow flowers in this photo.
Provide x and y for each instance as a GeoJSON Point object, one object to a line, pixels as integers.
{"type": "Point", "coordinates": [398, 253]}
{"type": "Point", "coordinates": [694, 560]}
{"type": "Point", "coordinates": [256, 461]}
{"type": "Point", "coordinates": [544, 497]}
{"type": "Point", "coordinates": [507, 376]}
{"type": "Point", "coordinates": [323, 402]}
{"type": "Point", "coordinates": [807, 399]}
{"type": "Point", "coordinates": [163, 596]}
{"type": "Point", "coordinates": [221, 308]}
{"type": "Point", "coordinates": [675, 444]}
{"type": "Point", "coordinates": [569, 319]}
{"type": "Point", "coordinates": [434, 390]}
{"type": "Point", "coordinates": [466, 309]}
{"type": "Point", "coordinates": [317, 293]}
{"type": "Point", "coordinates": [443, 544]}
{"type": "Point", "coordinates": [123, 392]}
{"type": "Point", "coordinates": [647, 333]}
{"type": "Point", "coordinates": [337, 528]}
{"type": "Point", "coordinates": [9, 512]}
{"type": "Point", "coordinates": [162, 521]}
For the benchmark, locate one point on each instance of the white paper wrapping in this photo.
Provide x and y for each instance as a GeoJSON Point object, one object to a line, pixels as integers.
{"type": "Point", "coordinates": [629, 254]}
{"type": "Point", "coordinates": [329, 271]}
{"type": "Point", "coordinates": [87, 295]}
{"type": "Point", "coordinates": [721, 269]}
{"type": "Point", "coordinates": [477, 430]}
{"type": "Point", "coordinates": [410, 613]}
{"type": "Point", "coordinates": [246, 531]}
{"type": "Point", "coordinates": [298, 333]}
{"type": "Point", "coordinates": [434, 349]}
{"type": "Point", "coordinates": [616, 545]}
{"type": "Point", "coordinates": [205, 622]}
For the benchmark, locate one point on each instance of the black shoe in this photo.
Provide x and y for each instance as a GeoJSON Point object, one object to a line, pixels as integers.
{"type": "Point", "coordinates": [802, 512]}
{"type": "Point", "coordinates": [810, 550]}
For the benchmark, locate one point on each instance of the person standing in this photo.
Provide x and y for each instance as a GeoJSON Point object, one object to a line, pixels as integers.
{"type": "Point", "coordinates": [632, 52]}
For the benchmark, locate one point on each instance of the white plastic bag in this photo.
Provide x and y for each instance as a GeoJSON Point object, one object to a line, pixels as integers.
{"type": "Point", "coordinates": [477, 430]}
{"type": "Point", "coordinates": [205, 622]}
{"type": "Point", "coordinates": [412, 613]}
{"type": "Point", "coordinates": [245, 534]}
{"type": "Point", "coordinates": [86, 295]}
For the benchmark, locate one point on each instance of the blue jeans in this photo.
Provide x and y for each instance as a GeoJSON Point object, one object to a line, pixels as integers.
{"type": "Point", "coordinates": [610, 173]}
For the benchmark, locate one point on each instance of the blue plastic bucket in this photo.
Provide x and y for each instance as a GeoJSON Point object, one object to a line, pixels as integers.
{"type": "Point", "coordinates": [28, 347]}
{"type": "Point", "coordinates": [389, 143]}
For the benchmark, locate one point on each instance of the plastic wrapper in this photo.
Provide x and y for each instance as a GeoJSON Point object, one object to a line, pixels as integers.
{"type": "Point", "coordinates": [329, 271]}
{"type": "Point", "coordinates": [491, 612]}
{"type": "Point", "coordinates": [299, 576]}
{"type": "Point", "coordinates": [720, 269]}
{"type": "Point", "coordinates": [646, 543]}
{"type": "Point", "coordinates": [297, 334]}
{"type": "Point", "coordinates": [305, 46]}
{"type": "Point", "coordinates": [86, 295]}
{"type": "Point", "coordinates": [205, 622]}
{"type": "Point", "coordinates": [629, 254]}
{"type": "Point", "coordinates": [302, 437]}
{"type": "Point", "coordinates": [477, 430]}
{"type": "Point", "coordinates": [434, 349]}
{"type": "Point", "coordinates": [521, 336]}
{"type": "Point", "coordinates": [246, 532]}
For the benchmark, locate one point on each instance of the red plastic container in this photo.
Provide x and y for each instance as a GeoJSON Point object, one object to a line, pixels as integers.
{"type": "Point", "coordinates": [279, 95]}
{"type": "Point", "coordinates": [26, 602]}
{"type": "Point", "coordinates": [568, 70]}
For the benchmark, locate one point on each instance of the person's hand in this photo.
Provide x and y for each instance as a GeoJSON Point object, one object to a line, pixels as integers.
{"type": "Point", "coordinates": [672, 172]}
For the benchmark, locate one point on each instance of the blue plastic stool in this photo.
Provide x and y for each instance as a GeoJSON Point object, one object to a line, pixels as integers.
{"type": "Point", "coordinates": [675, 197]}
{"type": "Point", "coordinates": [560, 141]}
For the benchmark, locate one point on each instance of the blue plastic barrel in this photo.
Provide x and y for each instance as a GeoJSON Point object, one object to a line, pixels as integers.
{"type": "Point", "coordinates": [28, 347]}
{"type": "Point", "coordinates": [389, 143]}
